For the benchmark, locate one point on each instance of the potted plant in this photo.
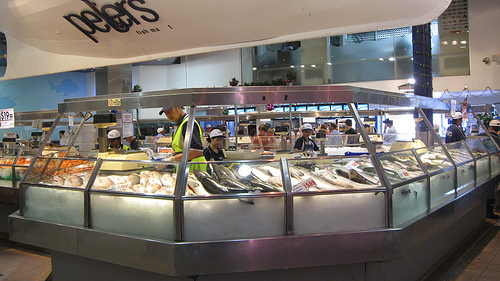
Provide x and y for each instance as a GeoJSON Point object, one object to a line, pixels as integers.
{"type": "Point", "coordinates": [291, 76]}
{"type": "Point", "coordinates": [233, 82]}
{"type": "Point", "coordinates": [136, 88]}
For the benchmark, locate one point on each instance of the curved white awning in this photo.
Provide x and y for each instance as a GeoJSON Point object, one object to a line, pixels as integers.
{"type": "Point", "coordinates": [62, 35]}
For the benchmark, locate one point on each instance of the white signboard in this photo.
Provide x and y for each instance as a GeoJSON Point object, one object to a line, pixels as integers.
{"type": "Point", "coordinates": [6, 118]}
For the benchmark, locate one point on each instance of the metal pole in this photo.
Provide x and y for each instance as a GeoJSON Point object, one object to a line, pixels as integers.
{"type": "Point", "coordinates": [80, 127]}
{"type": "Point", "coordinates": [285, 175]}
{"type": "Point", "coordinates": [378, 165]}
{"type": "Point", "coordinates": [236, 126]}
{"type": "Point", "coordinates": [182, 176]}
{"type": "Point", "coordinates": [290, 128]}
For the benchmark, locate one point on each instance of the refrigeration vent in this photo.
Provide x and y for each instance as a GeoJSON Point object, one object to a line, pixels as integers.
{"type": "Point", "coordinates": [455, 18]}
{"type": "Point", "coordinates": [377, 35]}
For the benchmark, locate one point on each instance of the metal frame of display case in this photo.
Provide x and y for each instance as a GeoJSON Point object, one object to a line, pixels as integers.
{"type": "Point", "coordinates": [379, 245]}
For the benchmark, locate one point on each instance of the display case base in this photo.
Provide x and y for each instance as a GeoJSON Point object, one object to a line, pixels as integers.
{"type": "Point", "coordinates": [405, 253]}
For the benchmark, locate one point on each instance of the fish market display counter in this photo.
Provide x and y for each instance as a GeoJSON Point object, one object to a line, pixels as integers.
{"type": "Point", "coordinates": [13, 165]}
{"type": "Point", "coordinates": [387, 216]}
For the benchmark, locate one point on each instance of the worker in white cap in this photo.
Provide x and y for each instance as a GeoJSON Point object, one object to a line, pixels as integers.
{"type": "Point", "coordinates": [214, 152]}
{"type": "Point", "coordinates": [115, 141]}
{"type": "Point", "coordinates": [455, 132]}
{"type": "Point", "coordinates": [177, 114]}
{"type": "Point", "coordinates": [130, 138]}
{"type": "Point", "coordinates": [305, 142]}
{"type": "Point", "coordinates": [161, 134]}
{"type": "Point", "coordinates": [208, 129]}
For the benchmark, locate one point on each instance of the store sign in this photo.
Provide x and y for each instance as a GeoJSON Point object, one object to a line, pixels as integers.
{"type": "Point", "coordinates": [117, 16]}
{"type": "Point", "coordinates": [7, 118]}
{"type": "Point", "coordinates": [115, 102]}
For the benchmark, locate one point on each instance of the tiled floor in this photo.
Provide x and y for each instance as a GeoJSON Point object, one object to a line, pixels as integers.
{"type": "Point", "coordinates": [478, 260]}
{"type": "Point", "coordinates": [22, 263]}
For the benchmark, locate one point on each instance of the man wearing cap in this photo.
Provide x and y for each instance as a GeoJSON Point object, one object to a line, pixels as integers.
{"type": "Point", "coordinates": [115, 141]}
{"type": "Point", "coordinates": [161, 134]}
{"type": "Point", "coordinates": [305, 142]}
{"type": "Point", "coordinates": [208, 129]}
{"type": "Point", "coordinates": [493, 128]}
{"type": "Point", "coordinates": [213, 152]}
{"type": "Point", "coordinates": [177, 114]}
{"type": "Point", "coordinates": [130, 138]}
{"type": "Point", "coordinates": [390, 134]}
{"type": "Point", "coordinates": [455, 132]}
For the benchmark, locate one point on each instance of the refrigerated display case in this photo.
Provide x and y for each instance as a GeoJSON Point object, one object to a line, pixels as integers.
{"type": "Point", "coordinates": [252, 217]}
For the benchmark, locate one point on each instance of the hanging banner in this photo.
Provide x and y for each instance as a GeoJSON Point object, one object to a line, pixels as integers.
{"type": "Point", "coordinates": [7, 118]}
{"type": "Point", "coordinates": [464, 108]}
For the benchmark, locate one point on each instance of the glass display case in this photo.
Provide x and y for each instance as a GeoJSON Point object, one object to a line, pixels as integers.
{"type": "Point", "coordinates": [481, 157]}
{"type": "Point", "coordinates": [464, 162]}
{"type": "Point", "coordinates": [13, 166]}
{"type": "Point", "coordinates": [441, 172]}
{"type": "Point", "coordinates": [494, 152]}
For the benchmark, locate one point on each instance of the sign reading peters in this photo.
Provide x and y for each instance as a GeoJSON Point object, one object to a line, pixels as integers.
{"type": "Point", "coordinates": [119, 16]}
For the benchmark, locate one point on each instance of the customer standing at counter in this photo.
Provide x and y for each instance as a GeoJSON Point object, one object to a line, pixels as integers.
{"type": "Point", "coordinates": [350, 131]}
{"type": "Point", "coordinates": [334, 138]}
{"type": "Point", "coordinates": [177, 114]}
{"type": "Point", "coordinates": [213, 152]}
{"type": "Point", "coordinates": [263, 140]}
{"type": "Point", "coordinates": [455, 132]}
{"type": "Point", "coordinates": [305, 142]}
{"type": "Point", "coordinates": [115, 141]}
{"type": "Point", "coordinates": [390, 133]}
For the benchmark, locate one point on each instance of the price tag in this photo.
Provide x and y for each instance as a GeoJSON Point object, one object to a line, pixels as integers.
{"type": "Point", "coordinates": [304, 185]}
{"type": "Point", "coordinates": [403, 173]}
{"type": "Point", "coordinates": [114, 102]}
{"type": "Point", "coordinates": [352, 165]}
{"type": "Point", "coordinates": [122, 186]}
{"type": "Point", "coordinates": [71, 121]}
{"type": "Point", "coordinates": [7, 118]}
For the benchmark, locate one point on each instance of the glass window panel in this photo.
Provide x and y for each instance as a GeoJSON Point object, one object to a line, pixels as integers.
{"type": "Point", "coordinates": [400, 166]}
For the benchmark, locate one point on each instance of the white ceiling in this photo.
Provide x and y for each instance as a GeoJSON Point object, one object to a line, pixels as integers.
{"type": "Point", "coordinates": [41, 41]}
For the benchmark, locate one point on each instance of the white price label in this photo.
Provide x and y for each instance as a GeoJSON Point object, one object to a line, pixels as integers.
{"type": "Point", "coordinates": [71, 121]}
{"type": "Point", "coordinates": [403, 173]}
{"type": "Point", "coordinates": [352, 165]}
{"type": "Point", "coordinates": [304, 185]}
{"type": "Point", "coordinates": [7, 118]}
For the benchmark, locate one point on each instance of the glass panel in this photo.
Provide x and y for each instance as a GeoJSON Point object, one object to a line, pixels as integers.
{"type": "Point", "coordinates": [400, 166]}
{"type": "Point", "coordinates": [144, 217]}
{"type": "Point", "coordinates": [139, 177]}
{"type": "Point", "coordinates": [338, 212]}
{"type": "Point", "coordinates": [476, 146]}
{"type": "Point", "coordinates": [458, 152]}
{"type": "Point", "coordinates": [433, 158]}
{"type": "Point", "coordinates": [442, 187]}
{"type": "Point", "coordinates": [226, 177]}
{"type": "Point", "coordinates": [54, 205]}
{"type": "Point", "coordinates": [482, 169]}
{"type": "Point", "coordinates": [489, 143]}
{"type": "Point", "coordinates": [409, 201]}
{"type": "Point", "coordinates": [66, 172]}
{"type": "Point", "coordinates": [332, 174]}
{"type": "Point", "coordinates": [235, 218]}
{"type": "Point", "coordinates": [465, 177]}
{"type": "Point", "coordinates": [242, 217]}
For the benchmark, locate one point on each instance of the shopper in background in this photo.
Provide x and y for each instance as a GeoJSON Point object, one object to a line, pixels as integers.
{"type": "Point", "coordinates": [161, 134]}
{"type": "Point", "coordinates": [206, 133]}
{"type": "Point", "coordinates": [130, 138]}
{"type": "Point", "coordinates": [263, 140]}
{"type": "Point", "coordinates": [305, 142]}
{"type": "Point", "coordinates": [350, 131]}
{"type": "Point", "coordinates": [455, 131]}
{"type": "Point", "coordinates": [115, 141]}
{"type": "Point", "coordinates": [177, 114]}
{"type": "Point", "coordinates": [64, 137]}
{"type": "Point", "coordinates": [390, 133]}
{"type": "Point", "coordinates": [334, 138]}
{"type": "Point", "coordinates": [213, 152]}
